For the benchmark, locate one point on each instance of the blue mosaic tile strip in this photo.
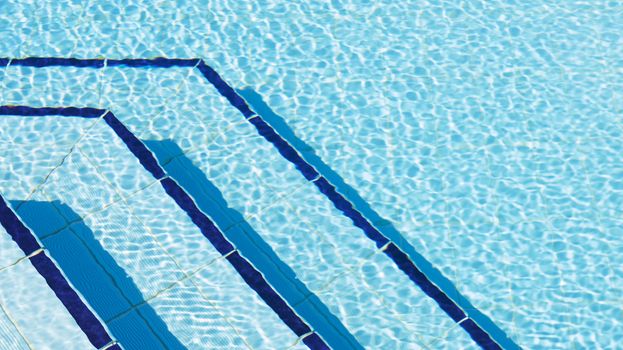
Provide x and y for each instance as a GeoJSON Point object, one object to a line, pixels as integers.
{"type": "Point", "coordinates": [158, 62]}
{"type": "Point", "coordinates": [255, 279]}
{"type": "Point", "coordinates": [342, 204]}
{"type": "Point", "coordinates": [479, 335]}
{"type": "Point", "coordinates": [54, 61]}
{"type": "Point", "coordinates": [84, 317]}
{"type": "Point", "coordinates": [347, 208]}
{"type": "Point", "coordinates": [18, 231]}
{"type": "Point", "coordinates": [284, 148]}
{"type": "Point", "coordinates": [85, 112]}
{"type": "Point", "coordinates": [402, 261]}
{"type": "Point", "coordinates": [313, 341]}
{"type": "Point", "coordinates": [137, 148]}
{"type": "Point", "coordinates": [224, 89]}
{"type": "Point", "coordinates": [209, 230]}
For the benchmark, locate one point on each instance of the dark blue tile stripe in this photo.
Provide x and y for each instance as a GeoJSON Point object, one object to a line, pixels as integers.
{"type": "Point", "coordinates": [450, 307]}
{"type": "Point", "coordinates": [57, 61]}
{"type": "Point", "coordinates": [158, 62]}
{"type": "Point", "coordinates": [402, 261]}
{"type": "Point", "coordinates": [84, 317]}
{"type": "Point", "coordinates": [313, 341]}
{"type": "Point", "coordinates": [139, 149]}
{"type": "Point", "coordinates": [248, 272]}
{"type": "Point", "coordinates": [84, 112]}
{"type": "Point", "coordinates": [207, 227]}
{"type": "Point", "coordinates": [19, 233]}
{"type": "Point", "coordinates": [284, 148]}
{"type": "Point", "coordinates": [342, 204]}
{"type": "Point", "coordinates": [255, 279]}
{"type": "Point", "coordinates": [347, 209]}
{"type": "Point", "coordinates": [224, 89]}
{"type": "Point", "coordinates": [479, 335]}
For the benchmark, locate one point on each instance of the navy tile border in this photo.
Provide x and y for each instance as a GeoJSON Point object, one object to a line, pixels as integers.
{"type": "Point", "coordinates": [480, 336]}
{"type": "Point", "coordinates": [85, 112]}
{"type": "Point", "coordinates": [140, 151]}
{"type": "Point", "coordinates": [17, 230]}
{"type": "Point", "coordinates": [84, 317]}
{"type": "Point", "coordinates": [247, 271]}
{"type": "Point", "coordinates": [284, 148]}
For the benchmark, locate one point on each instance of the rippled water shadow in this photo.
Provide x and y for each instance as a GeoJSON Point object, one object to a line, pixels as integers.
{"type": "Point", "coordinates": [251, 245]}
{"type": "Point", "coordinates": [106, 286]}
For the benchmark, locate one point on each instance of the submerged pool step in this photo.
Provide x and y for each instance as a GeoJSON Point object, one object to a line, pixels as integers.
{"type": "Point", "coordinates": [88, 322]}
{"type": "Point", "coordinates": [395, 250]}
{"type": "Point", "coordinates": [251, 275]}
{"type": "Point", "coordinates": [398, 256]}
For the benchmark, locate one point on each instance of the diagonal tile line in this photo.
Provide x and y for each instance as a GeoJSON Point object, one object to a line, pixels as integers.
{"type": "Point", "coordinates": [104, 207]}
{"type": "Point", "coordinates": [190, 277]}
{"type": "Point", "coordinates": [17, 328]}
{"type": "Point", "coordinates": [62, 161]}
{"type": "Point", "coordinates": [87, 320]}
{"type": "Point", "coordinates": [111, 278]}
{"type": "Point", "coordinates": [223, 315]}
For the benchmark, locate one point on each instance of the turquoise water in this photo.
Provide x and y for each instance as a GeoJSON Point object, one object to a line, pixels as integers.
{"type": "Point", "coordinates": [487, 134]}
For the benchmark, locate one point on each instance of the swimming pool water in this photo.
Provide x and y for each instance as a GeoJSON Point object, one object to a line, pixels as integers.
{"type": "Point", "coordinates": [483, 136]}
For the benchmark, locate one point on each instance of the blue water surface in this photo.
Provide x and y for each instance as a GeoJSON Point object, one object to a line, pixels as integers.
{"type": "Point", "coordinates": [485, 135]}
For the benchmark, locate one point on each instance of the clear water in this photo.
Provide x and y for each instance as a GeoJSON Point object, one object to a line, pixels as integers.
{"type": "Point", "coordinates": [487, 133]}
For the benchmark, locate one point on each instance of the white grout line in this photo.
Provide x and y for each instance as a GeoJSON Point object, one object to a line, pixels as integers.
{"type": "Point", "coordinates": [230, 253]}
{"type": "Point", "coordinates": [17, 328]}
{"type": "Point", "coordinates": [109, 345]}
{"type": "Point", "coordinates": [36, 252]}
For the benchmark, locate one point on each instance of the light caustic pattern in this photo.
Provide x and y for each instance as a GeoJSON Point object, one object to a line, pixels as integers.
{"type": "Point", "coordinates": [359, 321]}
{"type": "Point", "coordinates": [486, 132]}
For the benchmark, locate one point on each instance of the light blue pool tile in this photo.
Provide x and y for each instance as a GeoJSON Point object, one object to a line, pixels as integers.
{"type": "Point", "coordinates": [256, 322]}
{"type": "Point", "coordinates": [52, 86]}
{"type": "Point", "coordinates": [10, 338]}
{"type": "Point", "coordinates": [192, 318]}
{"type": "Point", "coordinates": [454, 338]}
{"type": "Point", "coordinates": [122, 235]}
{"type": "Point", "coordinates": [172, 227]}
{"type": "Point", "coordinates": [10, 251]}
{"type": "Point", "coordinates": [79, 185]}
{"type": "Point", "coordinates": [117, 166]}
{"type": "Point", "coordinates": [378, 293]}
{"type": "Point", "coordinates": [38, 313]}
{"type": "Point", "coordinates": [133, 247]}
{"type": "Point", "coordinates": [311, 236]}
{"type": "Point", "coordinates": [31, 148]}
{"type": "Point", "coordinates": [261, 174]}
{"type": "Point", "coordinates": [175, 104]}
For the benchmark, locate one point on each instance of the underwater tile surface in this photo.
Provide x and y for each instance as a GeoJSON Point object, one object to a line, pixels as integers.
{"type": "Point", "coordinates": [486, 134]}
